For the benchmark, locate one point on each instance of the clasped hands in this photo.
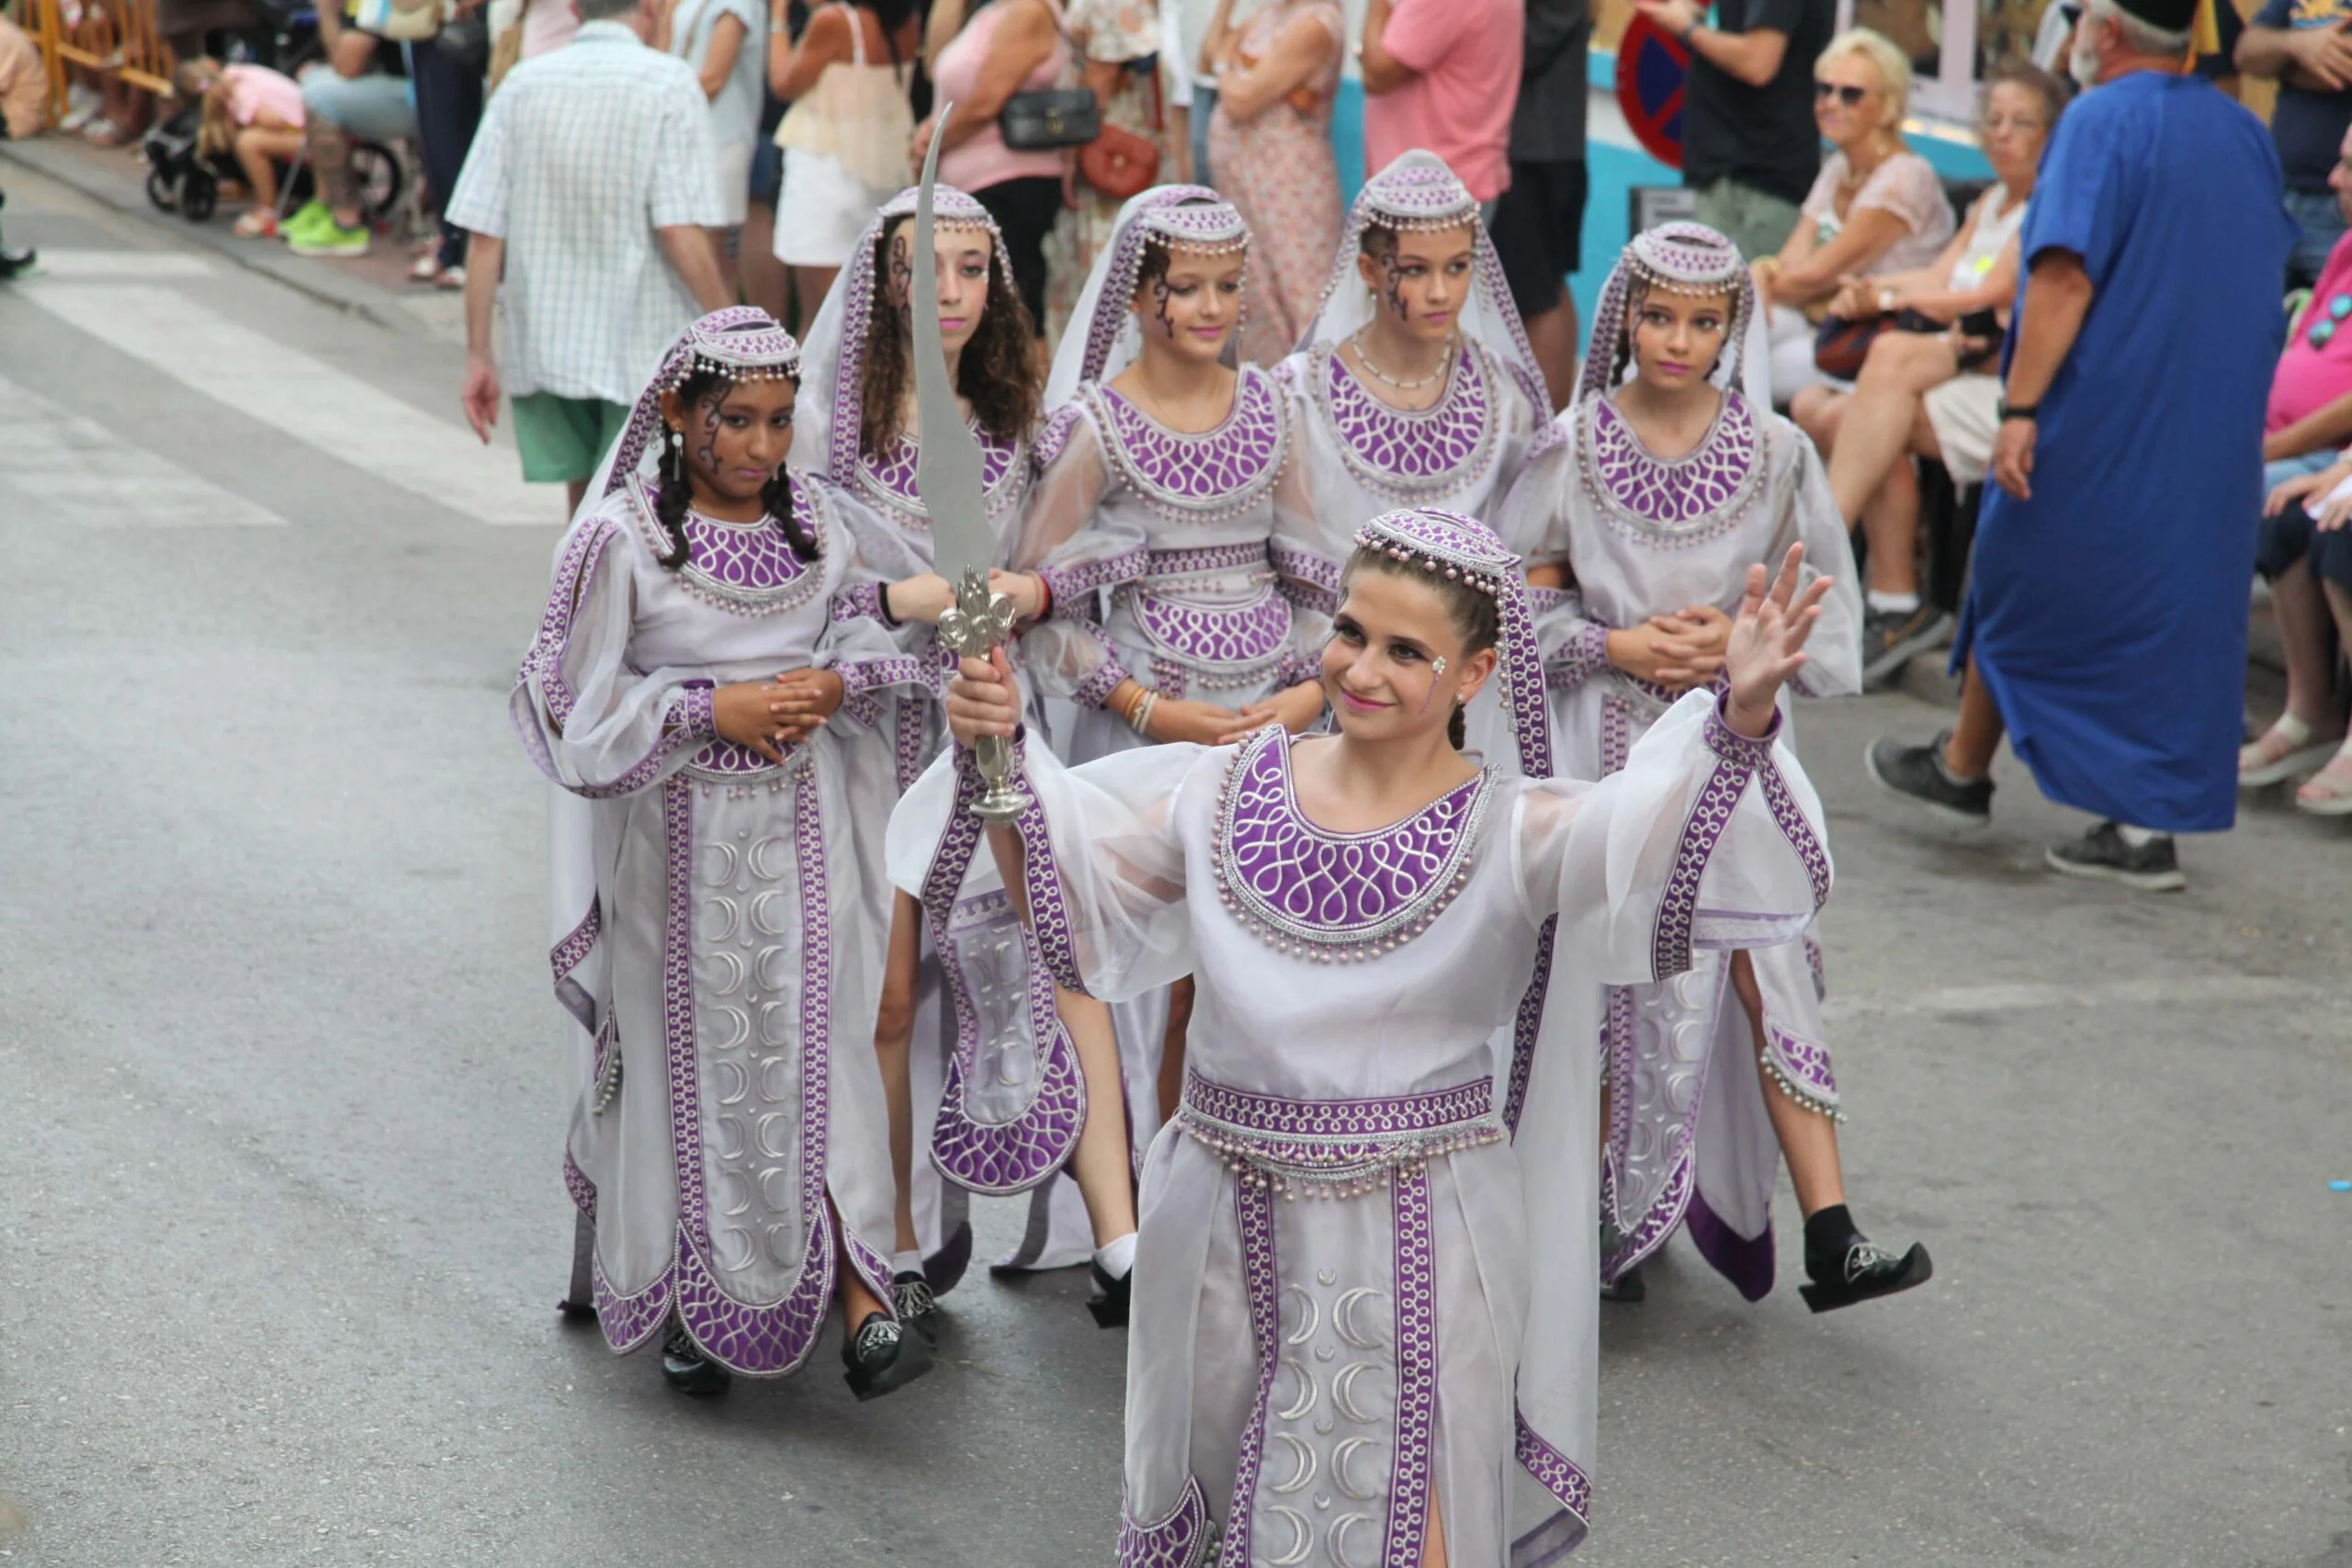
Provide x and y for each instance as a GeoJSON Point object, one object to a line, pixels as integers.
{"type": "Point", "coordinates": [768, 716]}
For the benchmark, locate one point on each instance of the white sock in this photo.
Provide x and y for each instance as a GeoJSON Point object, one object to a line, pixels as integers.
{"type": "Point", "coordinates": [907, 1262]}
{"type": "Point", "coordinates": [2139, 838]}
{"type": "Point", "coordinates": [1891, 603]}
{"type": "Point", "coordinates": [1117, 1259]}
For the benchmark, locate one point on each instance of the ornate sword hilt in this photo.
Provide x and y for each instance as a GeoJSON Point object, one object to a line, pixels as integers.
{"type": "Point", "coordinates": [981, 621]}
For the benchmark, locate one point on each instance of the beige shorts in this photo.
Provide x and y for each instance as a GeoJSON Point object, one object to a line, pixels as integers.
{"type": "Point", "coordinates": [1965, 413]}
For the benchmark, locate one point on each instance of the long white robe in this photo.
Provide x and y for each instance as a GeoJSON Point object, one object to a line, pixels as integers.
{"type": "Point", "coordinates": [1689, 1135]}
{"type": "Point", "coordinates": [721, 921]}
{"type": "Point", "coordinates": [1304, 1376]}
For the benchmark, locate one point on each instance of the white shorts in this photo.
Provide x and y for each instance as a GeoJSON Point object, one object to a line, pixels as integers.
{"type": "Point", "coordinates": [821, 211]}
{"type": "Point", "coordinates": [735, 181]}
{"type": "Point", "coordinates": [1966, 414]}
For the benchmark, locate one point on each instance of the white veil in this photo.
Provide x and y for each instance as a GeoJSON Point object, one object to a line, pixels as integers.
{"type": "Point", "coordinates": [832, 356]}
{"type": "Point", "coordinates": [1101, 338]}
{"type": "Point", "coordinates": [1419, 191]}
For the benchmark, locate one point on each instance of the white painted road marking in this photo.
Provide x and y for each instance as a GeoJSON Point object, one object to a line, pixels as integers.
{"type": "Point", "coordinates": [328, 409]}
{"type": "Point", "coordinates": [121, 263]}
{"type": "Point", "coordinates": [60, 469]}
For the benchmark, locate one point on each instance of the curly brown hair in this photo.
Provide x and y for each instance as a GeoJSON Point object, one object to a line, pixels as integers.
{"type": "Point", "coordinates": [997, 372]}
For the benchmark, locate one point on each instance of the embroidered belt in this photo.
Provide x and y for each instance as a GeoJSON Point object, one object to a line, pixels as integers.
{"type": "Point", "coordinates": [1238, 642]}
{"type": "Point", "coordinates": [1210, 560]}
{"type": "Point", "coordinates": [1334, 1148]}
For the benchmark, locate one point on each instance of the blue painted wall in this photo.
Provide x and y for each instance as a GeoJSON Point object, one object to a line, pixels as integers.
{"type": "Point", "coordinates": [1614, 171]}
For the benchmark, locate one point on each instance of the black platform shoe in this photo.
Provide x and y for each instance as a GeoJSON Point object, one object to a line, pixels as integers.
{"type": "Point", "coordinates": [688, 1369]}
{"type": "Point", "coordinates": [1864, 1270]}
{"type": "Point", "coordinates": [1109, 1301]}
{"type": "Point", "coordinates": [912, 1299]}
{"type": "Point", "coordinates": [1628, 1287]}
{"type": "Point", "coordinates": [882, 1356]}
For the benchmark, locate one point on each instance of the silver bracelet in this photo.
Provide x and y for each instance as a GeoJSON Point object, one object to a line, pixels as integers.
{"type": "Point", "coordinates": [1139, 716]}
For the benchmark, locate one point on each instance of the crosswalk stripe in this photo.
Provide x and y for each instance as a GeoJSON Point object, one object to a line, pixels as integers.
{"type": "Point", "coordinates": [122, 264]}
{"type": "Point", "coordinates": [73, 472]}
{"type": "Point", "coordinates": [338, 413]}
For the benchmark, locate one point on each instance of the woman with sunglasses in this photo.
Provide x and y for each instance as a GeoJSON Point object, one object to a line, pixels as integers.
{"type": "Point", "coordinates": [1876, 208]}
{"type": "Point", "coordinates": [1930, 392]}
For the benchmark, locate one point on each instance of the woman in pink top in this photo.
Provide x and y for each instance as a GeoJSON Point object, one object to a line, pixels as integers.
{"type": "Point", "coordinates": [977, 63]}
{"type": "Point", "coordinates": [255, 113]}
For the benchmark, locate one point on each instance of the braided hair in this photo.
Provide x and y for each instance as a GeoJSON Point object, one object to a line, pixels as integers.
{"type": "Point", "coordinates": [673, 495]}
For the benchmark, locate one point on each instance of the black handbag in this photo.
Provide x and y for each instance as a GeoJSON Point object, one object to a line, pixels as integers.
{"type": "Point", "coordinates": [1050, 120]}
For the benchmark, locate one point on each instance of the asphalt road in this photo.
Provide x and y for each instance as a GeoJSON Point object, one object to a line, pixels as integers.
{"type": "Point", "coordinates": [281, 1225]}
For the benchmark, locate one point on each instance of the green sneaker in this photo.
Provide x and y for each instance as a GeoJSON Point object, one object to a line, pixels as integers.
{"type": "Point", "coordinates": [330, 239]}
{"type": "Point", "coordinates": [305, 218]}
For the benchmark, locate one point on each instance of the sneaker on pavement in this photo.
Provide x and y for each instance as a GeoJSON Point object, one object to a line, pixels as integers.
{"type": "Point", "coordinates": [2103, 854]}
{"type": "Point", "coordinates": [1890, 639]}
{"type": "Point", "coordinates": [330, 239]}
{"type": "Point", "coordinates": [310, 215]}
{"type": "Point", "coordinates": [1918, 773]}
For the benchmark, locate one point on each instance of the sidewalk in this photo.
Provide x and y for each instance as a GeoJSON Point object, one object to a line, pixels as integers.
{"type": "Point", "coordinates": [375, 285]}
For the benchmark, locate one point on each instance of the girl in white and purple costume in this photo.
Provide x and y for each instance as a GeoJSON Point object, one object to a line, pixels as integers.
{"type": "Point", "coordinates": [1362, 448]}
{"type": "Point", "coordinates": [1411, 1349]}
{"type": "Point", "coordinates": [859, 427]}
{"type": "Point", "coordinates": [1170, 527]}
{"type": "Point", "coordinates": [1646, 543]}
{"type": "Point", "coordinates": [719, 890]}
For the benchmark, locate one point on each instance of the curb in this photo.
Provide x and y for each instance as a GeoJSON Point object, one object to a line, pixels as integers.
{"type": "Point", "coordinates": [127, 196]}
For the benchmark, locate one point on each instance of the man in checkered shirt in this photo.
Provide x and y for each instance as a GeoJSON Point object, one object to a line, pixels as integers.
{"type": "Point", "coordinates": [590, 188]}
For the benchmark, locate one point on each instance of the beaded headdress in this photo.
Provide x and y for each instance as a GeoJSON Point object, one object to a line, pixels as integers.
{"type": "Point", "coordinates": [1463, 549]}
{"type": "Point", "coordinates": [1418, 193]}
{"type": "Point", "coordinates": [740, 342]}
{"type": "Point", "coordinates": [834, 354]}
{"type": "Point", "coordinates": [1680, 258]}
{"type": "Point", "coordinates": [1192, 218]}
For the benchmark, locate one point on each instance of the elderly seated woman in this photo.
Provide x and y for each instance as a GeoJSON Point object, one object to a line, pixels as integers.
{"type": "Point", "coordinates": [1876, 209]}
{"type": "Point", "coordinates": [1931, 394]}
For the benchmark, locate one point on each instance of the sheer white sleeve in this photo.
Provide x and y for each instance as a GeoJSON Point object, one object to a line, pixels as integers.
{"type": "Point", "coordinates": [1067, 540]}
{"type": "Point", "coordinates": [1809, 515]}
{"type": "Point", "coordinates": [1704, 838]}
{"type": "Point", "coordinates": [1104, 866]}
{"type": "Point", "coordinates": [589, 721]}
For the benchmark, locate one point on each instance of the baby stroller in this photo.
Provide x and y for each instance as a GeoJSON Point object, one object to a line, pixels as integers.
{"type": "Point", "coordinates": [181, 179]}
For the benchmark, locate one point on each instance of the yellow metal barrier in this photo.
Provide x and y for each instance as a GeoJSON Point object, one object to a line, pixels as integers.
{"type": "Point", "coordinates": [115, 37]}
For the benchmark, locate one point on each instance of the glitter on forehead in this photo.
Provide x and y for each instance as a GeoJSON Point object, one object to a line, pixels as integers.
{"type": "Point", "coordinates": [1415, 195]}
{"type": "Point", "coordinates": [1437, 541]}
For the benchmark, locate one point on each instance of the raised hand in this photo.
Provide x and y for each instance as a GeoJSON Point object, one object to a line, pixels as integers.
{"type": "Point", "coordinates": [981, 699]}
{"type": "Point", "coordinates": [1768, 638]}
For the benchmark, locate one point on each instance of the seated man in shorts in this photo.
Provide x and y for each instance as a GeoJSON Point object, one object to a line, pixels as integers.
{"type": "Point", "coordinates": [361, 94]}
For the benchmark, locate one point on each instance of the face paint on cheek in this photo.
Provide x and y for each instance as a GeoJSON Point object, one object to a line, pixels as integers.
{"type": "Point", "coordinates": [902, 279]}
{"type": "Point", "coordinates": [1161, 294]}
{"type": "Point", "coordinates": [1395, 292]}
{"type": "Point", "coordinates": [706, 453]}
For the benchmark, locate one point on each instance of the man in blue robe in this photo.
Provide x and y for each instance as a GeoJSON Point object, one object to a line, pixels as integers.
{"type": "Point", "coordinates": [2105, 622]}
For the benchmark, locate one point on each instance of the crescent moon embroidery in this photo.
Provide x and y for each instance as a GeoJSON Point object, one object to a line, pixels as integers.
{"type": "Point", "coordinates": [1305, 1391]}
{"type": "Point", "coordinates": [1343, 1318]}
{"type": "Point", "coordinates": [759, 858]}
{"type": "Point", "coordinates": [1343, 1393]}
{"type": "Point", "coordinates": [1336, 1544]}
{"type": "Point", "coordinates": [726, 872]}
{"type": "Point", "coordinates": [760, 917]}
{"type": "Point", "coordinates": [723, 908]}
{"type": "Point", "coordinates": [1302, 1537]}
{"type": "Point", "coordinates": [732, 963]}
{"type": "Point", "coordinates": [1310, 1316]}
{"type": "Point", "coordinates": [738, 1025]}
{"type": "Point", "coordinates": [1304, 1458]}
{"type": "Point", "coordinates": [1347, 1484]}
